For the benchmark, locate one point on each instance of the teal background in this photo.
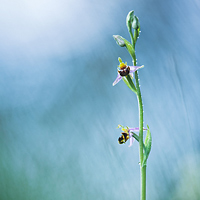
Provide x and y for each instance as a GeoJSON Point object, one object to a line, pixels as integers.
{"type": "Point", "coordinates": [59, 110]}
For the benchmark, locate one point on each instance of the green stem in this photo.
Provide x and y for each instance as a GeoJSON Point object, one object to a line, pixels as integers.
{"type": "Point", "coordinates": [142, 168]}
{"type": "Point", "coordinates": [143, 182]}
{"type": "Point", "coordinates": [140, 105]}
{"type": "Point", "coordinates": [135, 36]}
{"type": "Point", "coordinates": [132, 38]}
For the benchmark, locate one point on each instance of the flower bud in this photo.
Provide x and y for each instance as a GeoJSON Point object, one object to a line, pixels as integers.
{"type": "Point", "coordinates": [135, 23]}
{"type": "Point", "coordinates": [129, 20]}
{"type": "Point", "coordinates": [120, 40]}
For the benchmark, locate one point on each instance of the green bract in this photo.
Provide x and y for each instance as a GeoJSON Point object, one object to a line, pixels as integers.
{"type": "Point", "coordinates": [147, 143]}
{"type": "Point", "coordinates": [128, 81]}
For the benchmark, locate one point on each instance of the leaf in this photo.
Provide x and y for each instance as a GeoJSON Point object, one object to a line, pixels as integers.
{"type": "Point", "coordinates": [147, 149]}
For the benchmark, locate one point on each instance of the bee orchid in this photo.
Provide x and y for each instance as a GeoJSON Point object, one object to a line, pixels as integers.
{"type": "Point", "coordinates": [127, 134]}
{"type": "Point", "coordinates": [124, 70]}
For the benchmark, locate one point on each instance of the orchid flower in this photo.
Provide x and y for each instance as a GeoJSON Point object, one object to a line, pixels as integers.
{"type": "Point", "coordinates": [127, 134]}
{"type": "Point", "coordinates": [124, 70]}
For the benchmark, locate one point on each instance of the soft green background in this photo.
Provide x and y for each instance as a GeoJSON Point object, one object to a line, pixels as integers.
{"type": "Point", "coordinates": [59, 111]}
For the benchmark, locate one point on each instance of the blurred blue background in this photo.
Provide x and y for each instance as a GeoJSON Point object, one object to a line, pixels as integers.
{"type": "Point", "coordinates": [59, 110]}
